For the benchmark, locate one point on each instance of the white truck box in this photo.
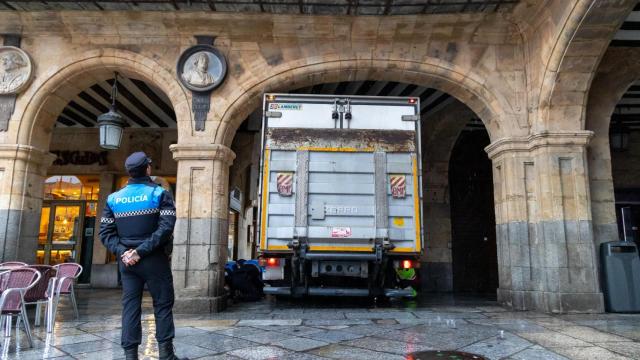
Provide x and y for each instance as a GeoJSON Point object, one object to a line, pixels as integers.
{"type": "Point", "coordinates": [340, 185]}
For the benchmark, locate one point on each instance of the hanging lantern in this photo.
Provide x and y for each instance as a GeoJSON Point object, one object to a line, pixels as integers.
{"type": "Point", "coordinates": [111, 124]}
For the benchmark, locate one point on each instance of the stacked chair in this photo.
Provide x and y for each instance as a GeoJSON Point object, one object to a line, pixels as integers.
{"type": "Point", "coordinates": [22, 284]}
{"type": "Point", "coordinates": [15, 284]}
{"type": "Point", "coordinates": [62, 284]}
{"type": "Point", "coordinates": [37, 295]}
{"type": "Point", "coordinates": [12, 265]}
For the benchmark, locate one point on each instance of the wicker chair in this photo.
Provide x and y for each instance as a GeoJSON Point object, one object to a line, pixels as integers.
{"type": "Point", "coordinates": [62, 284]}
{"type": "Point", "coordinates": [38, 294]}
{"type": "Point", "coordinates": [18, 282]}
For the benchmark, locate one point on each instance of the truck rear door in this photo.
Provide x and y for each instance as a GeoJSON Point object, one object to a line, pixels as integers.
{"type": "Point", "coordinates": [340, 184]}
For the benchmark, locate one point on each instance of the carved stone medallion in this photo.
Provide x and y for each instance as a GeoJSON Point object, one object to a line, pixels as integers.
{"type": "Point", "coordinates": [16, 70]}
{"type": "Point", "coordinates": [201, 68]}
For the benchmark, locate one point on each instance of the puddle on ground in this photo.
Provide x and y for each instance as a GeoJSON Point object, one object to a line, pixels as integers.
{"type": "Point", "coordinates": [443, 355]}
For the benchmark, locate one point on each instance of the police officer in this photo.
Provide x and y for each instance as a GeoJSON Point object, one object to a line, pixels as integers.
{"type": "Point", "coordinates": [137, 225]}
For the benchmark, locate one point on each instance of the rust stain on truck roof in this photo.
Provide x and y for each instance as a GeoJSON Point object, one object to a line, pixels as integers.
{"type": "Point", "coordinates": [341, 139]}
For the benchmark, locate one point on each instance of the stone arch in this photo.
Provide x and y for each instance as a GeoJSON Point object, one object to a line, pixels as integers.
{"type": "Point", "coordinates": [36, 113]}
{"type": "Point", "coordinates": [51, 96]}
{"type": "Point", "coordinates": [618, 71]}
{"type": "Point", "coordinates": [468, 87]}
{"type": "Point", "coordinates": [577, 51]}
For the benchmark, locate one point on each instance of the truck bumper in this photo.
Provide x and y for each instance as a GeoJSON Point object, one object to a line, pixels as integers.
{"type": "Point", "coordinates": [324, 291]}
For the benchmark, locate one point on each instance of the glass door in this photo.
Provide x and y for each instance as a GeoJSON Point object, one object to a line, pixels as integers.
{"type": "Point", "coordinates": [43, 234]}
{"type": "Point", "coordinates": [64, 233]}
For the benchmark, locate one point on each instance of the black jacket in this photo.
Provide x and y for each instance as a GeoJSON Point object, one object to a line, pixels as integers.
{"type": "Point", "coordinates": [140, 216]}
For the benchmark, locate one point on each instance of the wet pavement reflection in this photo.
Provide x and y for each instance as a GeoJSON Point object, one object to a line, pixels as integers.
{"type": "Point", "coordinates": [339, 328]}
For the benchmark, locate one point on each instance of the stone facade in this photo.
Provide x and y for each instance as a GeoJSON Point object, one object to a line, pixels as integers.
{"type": "Point", "coordinates": [526, 73]}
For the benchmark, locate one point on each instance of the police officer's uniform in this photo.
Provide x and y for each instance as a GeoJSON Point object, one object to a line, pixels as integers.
{"type": "Point", "coordinates": [142, 216]}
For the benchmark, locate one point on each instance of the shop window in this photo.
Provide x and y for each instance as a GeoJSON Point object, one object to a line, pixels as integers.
{"type": "Point", "coordinates": [63, 187]}
{"type": "Point", "coordinates": [67, 222]}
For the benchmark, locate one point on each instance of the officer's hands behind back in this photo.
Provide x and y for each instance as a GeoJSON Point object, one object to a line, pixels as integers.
{"type": "Point", "coordinates": [130, 257]}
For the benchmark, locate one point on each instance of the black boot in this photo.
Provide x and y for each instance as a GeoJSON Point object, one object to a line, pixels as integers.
{"type": "Point", "coordinates": [166, 351]}
{"type": "Point", "coordinates": [131, 353]}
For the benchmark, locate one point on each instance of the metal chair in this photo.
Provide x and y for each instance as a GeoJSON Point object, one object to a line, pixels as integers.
{"type": "Point", "coordinates": [4, 277]}
{"type": "Point", "coordinates": [38, 294]}
{"type": "Point", "coordinates": [62, 284]}
{"type": "Point", "coordinates": [12, 265]}
{"type": "Point", "coordinates": [18, 282]}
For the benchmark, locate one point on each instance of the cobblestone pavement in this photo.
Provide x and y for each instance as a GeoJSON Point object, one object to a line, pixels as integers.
{"type": "Point", "coordinates": [340, 329]}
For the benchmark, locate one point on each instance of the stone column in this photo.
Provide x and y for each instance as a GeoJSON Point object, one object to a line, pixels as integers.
{"type": "Point", "coordinates": [436, 272]}
{"type": "Point", "coordinates": [22, 174]}
{"type": "Point", "coordinates": [103, 274]}
{"type": "Point", "coordinates": [106, 188]}
{"type": "Point", "coordinates": [200, 237]}
{"type": "Point", "coordinates": [546, 252]}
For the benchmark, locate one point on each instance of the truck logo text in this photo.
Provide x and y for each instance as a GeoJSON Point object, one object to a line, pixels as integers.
{"type": "Point", "coordinates": [340, 210]}
{"type": "Point", "coordinates": [277, 106]}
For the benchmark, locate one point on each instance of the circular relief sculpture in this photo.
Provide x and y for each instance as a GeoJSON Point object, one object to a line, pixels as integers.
{"type": "Point", "coordinates": [201, 68]}
{"type": "Point", "coordinates": [16, 70]}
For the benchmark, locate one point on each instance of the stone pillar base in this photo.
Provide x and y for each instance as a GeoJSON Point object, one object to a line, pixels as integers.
{"type": "Point", "coordinates": [200, 305]}
{"type": "Point", "coordinates": [551, 302]}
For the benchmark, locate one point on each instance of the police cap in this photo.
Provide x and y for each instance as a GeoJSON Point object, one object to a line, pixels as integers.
{"type": "Point", "coordinates": [136, 162]}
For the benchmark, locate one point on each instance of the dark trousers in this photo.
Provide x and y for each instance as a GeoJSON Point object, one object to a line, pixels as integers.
{"type": "Point", "coordinates": [155, 271]}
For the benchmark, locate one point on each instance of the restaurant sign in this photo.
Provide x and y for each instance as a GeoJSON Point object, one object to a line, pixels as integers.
{"type": "Point", "coordinates": [65, 157]}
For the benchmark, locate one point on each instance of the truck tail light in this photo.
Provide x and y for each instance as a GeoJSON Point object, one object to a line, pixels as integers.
{"type": "Point", "coordinates": [406, 264]}
{"type": "Point", "coordinates": [269, 262]}
{"type": "Point", "coordinates": [272, 268]}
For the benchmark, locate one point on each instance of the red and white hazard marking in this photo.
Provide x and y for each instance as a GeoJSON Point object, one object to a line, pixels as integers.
{"type": "Point", "coordinates": [285, 184]}
{"type": "Point", "coordinates": [398, 186]}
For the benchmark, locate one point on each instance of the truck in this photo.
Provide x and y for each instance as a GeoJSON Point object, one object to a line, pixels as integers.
{"type": "Point", "coordinates": [340, 195]}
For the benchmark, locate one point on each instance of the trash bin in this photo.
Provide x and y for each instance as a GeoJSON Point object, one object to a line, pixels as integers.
{"type": "Point", "coordinates": [621, 276]}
